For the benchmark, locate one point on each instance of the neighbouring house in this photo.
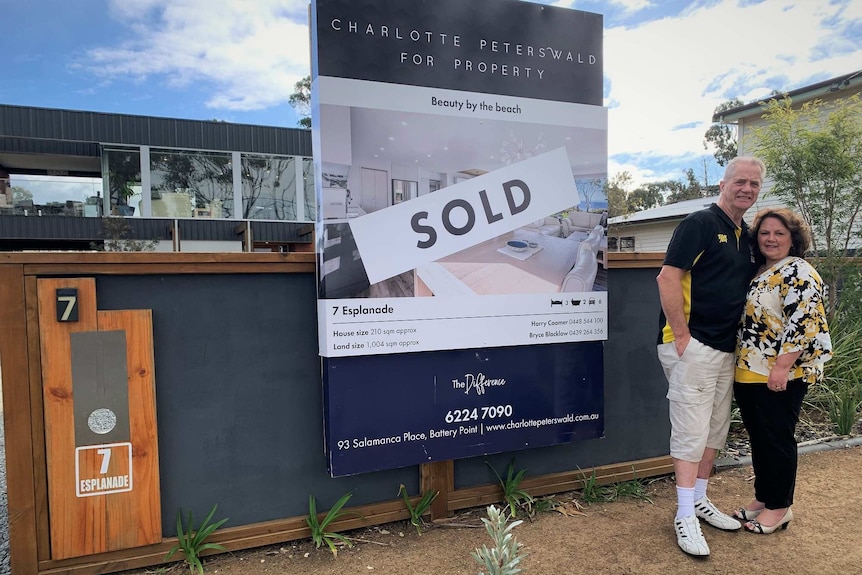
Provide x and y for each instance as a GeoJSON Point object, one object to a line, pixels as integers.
{"type": "Point", "coordinates": [651, 230]}
{"type": "Point", "coordinates": [750, 116]}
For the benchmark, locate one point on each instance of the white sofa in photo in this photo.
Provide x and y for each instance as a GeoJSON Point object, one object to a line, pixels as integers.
{"type": "Point", "coordinates": [549, 226]}
{"type": "Point", "coordinates": [580, 256]}
{"type": "Point", "coordinates": [582, 222]}
{"type": "Point", "coordinates": [594, 236]}
{"type": "Point", "coordinates": [583, 274]}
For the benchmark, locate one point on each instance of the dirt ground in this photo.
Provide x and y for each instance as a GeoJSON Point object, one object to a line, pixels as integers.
{"type": "Point", "coordinates": [619, 538]}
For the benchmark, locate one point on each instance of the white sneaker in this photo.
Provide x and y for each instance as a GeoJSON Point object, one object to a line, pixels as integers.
{"type": "Point", "coordinates": [689, 537]}
{"type": "Point", "coordinates": [705, 510]}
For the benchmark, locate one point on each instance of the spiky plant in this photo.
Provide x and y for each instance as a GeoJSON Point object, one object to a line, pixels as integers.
{"type": "Point", "coordinates": [505, 556]}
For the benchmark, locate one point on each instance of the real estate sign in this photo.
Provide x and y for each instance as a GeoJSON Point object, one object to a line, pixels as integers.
{"type": "Point", "coordinates": [460, 151]}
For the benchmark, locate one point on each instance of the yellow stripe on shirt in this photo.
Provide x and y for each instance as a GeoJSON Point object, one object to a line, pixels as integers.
{"type": "Point", "coordinates": [666, 332]}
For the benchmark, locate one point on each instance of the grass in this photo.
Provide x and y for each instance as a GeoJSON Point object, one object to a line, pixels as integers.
{"type": "Point", "coordinates": [844, 411]}
{"type": "Point", "coordinates": [320, 533]}
{"type": "Point", "coordinates": [514, 497]}
{"type": "Point", "coordinates": [839, 394]}
{"type": "Point", "coordinates": [192, 542]}
{"type": "Point", "coordinates": [634, 488]}
{"type": "Point", "coordinates": [545, 504]}
{"type": "Point", "coordinates": [421, 507]}
{"type": "Point", "coordinates": [591, 492]}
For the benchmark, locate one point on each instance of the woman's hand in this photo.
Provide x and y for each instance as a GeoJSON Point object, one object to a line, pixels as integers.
{"type": "Point", "coordinates": [780, 372]}
{"type": "Point", "coordinates": [778, 379]}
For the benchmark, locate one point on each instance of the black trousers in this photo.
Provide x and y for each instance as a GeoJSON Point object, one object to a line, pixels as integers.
{"type": "Point", "coordinates": [770, 417]}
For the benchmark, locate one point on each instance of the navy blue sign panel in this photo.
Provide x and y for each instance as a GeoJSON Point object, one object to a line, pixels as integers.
{"type": "Point", "coordinates": [398, 410]}
{"type": "Point", "coordinates": [487, 47]}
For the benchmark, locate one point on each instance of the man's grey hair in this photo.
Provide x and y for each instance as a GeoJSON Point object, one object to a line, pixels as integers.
{"type": "Point", "coordinates": [732, 164]}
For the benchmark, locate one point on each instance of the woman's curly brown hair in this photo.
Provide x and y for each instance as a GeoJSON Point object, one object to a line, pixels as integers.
{"type": "Point", "coordinates": [800, 233]}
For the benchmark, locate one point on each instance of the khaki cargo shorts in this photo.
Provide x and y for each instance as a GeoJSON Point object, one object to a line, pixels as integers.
{"type": "Point", "coordinates": [700, 390]}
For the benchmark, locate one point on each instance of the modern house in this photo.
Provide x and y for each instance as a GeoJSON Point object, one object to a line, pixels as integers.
{"type": "Point", "coordinates": [194, 185]}
{"type": "Point", "coordinates": [651, 230]}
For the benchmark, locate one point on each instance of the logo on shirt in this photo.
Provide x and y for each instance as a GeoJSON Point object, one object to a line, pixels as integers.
{"type": "Point", "coordinates": [722, 238]}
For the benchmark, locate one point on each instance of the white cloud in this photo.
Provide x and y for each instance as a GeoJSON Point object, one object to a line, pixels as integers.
{"type": "Point", "coordinates": [666, 76]}
{"type": "Point", "coordinates": [633, 5]}
{"type": "Point", "coordinates": [675, 71]}
{"type": "Point", "coordinates": [629, 6]}
{"type": "Point", "coordinates": [252, 53]}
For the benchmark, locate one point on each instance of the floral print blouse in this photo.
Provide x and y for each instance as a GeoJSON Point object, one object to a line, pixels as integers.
{"type": "Point", "coordinates": [784, 313]}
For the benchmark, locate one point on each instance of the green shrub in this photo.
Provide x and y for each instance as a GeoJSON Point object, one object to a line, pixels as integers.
{"type": "Point", "coordinates": [192, 542]}
{"type": "Point", "coordinates": [840, 393]}
{"type": "Point", "coordinates": [515, 497]}
{"type": "Point", "coordinates": [507, 553]}
{"type": "Point", "coordinates": [421, 507]}
{"type": "Point", "coordinates": [319, 529]}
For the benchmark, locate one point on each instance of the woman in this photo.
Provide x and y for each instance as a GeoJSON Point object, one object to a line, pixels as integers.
{"type": "Point", "coordinates": [783, 344]}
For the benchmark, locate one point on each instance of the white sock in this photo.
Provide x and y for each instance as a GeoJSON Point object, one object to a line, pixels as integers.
{"type": "Point", "coordinates": [684, 501]}
{"type": "Point", "coordinates": [700, 488]}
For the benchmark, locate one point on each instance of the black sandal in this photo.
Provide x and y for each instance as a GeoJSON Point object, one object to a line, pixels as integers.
{"type": "Point", "coordinates": [744, 514]}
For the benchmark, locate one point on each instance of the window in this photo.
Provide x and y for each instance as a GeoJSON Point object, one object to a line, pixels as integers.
{"type": "Point", "coordinates": [268, 187]}
{"type": "Point", "coordinates": [621, 244]}
{"type": "Point", "coordinates": [627, 244]}
{"type": "Point", "coordinates": [189, 184]}
{"type": "Point", "coordinates": [434, 185]}
{"type": "Point", "coordinates": [54, 195]}
{"type": "Point", "coordinates": [123, 179]}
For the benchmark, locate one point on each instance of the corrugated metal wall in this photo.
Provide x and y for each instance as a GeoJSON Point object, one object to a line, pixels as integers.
{"type": "Point", "coordinates": [90, 229]}
{"type": "Point", "coordinates": [95, 127]}
{"type": "Point", "coordinates": [54, 147]}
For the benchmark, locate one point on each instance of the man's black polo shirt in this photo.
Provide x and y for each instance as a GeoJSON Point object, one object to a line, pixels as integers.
{"type": "Point", "coordinates": [717, 258]}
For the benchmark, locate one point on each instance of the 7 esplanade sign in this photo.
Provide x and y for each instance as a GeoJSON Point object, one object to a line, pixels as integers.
{"type": "Point", "coordinates": [440, 336]}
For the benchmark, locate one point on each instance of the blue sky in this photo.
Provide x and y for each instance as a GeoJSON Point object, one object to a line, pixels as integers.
{"type": "Point", "coordinates": [668, 63]}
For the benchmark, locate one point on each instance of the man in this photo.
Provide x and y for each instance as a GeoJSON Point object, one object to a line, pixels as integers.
{"type": "Point", "coordinates": [702, 287]}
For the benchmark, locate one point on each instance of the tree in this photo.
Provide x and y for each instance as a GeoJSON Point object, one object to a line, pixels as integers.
{"type": "Point", "coordinates": [206, 177]}
{"type": "Point", "coordinates": [588, 189]}
{"type": "Point", "coordinates": [722, 136]}
{"type": "Point", "coordinates": [688, 190]}
{"type": "Point", "coordinates": [269, 187]}
{"type": "Point", "coordinates": [301, 102]}
{"type": "Point", "coordinates": [124, 172]}
{"type": "Point", "coordinates": [117, 234]}
{"type": "Point", "coordinates": [644, 198]}
{"type": "Point", "coordinates": [615, 192]}
{"type": "Point", "coordinates": [20, 194]}
{"type": "Point", "coordinates": [813, 155]}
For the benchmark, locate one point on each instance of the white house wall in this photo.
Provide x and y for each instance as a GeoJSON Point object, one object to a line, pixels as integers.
{"type": "Point", "coordinates": [649, 237]}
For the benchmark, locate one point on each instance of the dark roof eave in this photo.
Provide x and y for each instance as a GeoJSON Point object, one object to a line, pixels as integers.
{"type": "Point", "coordinates": [806, 92]}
